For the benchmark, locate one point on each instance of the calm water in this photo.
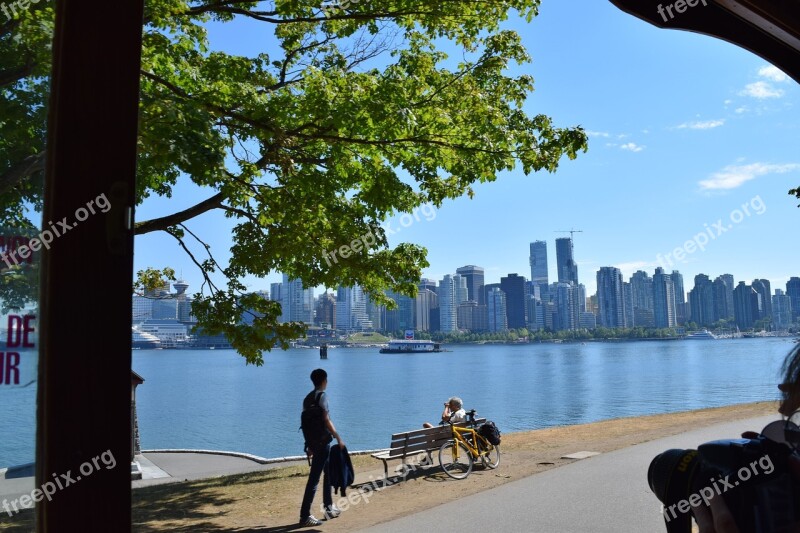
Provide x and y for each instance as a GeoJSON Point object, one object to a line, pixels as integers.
{"type": "Point", "coordinates": [212, 400]}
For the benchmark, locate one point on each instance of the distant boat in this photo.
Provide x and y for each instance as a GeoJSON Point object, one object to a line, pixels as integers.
{"type": "Point", "coordinates": [144, 341]}
{"type": "Point", "coordinates": [702, 335]}
{"type": "Point", "coordinates": [411, 346]}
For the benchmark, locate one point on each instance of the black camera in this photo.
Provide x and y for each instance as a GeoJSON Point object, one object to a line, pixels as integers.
{"type": "Point", "coordinates": [752, 475]}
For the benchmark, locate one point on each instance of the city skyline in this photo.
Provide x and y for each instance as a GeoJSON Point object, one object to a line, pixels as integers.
{"type": "Point", "coordinates": [693, 151]}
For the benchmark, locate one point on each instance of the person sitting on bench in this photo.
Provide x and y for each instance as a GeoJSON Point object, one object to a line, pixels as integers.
{"type": "Point", "coordinates": [453, 412]}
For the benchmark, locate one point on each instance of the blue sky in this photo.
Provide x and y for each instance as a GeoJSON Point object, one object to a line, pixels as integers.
{"type": "Point", "coordinates": [689, 136]}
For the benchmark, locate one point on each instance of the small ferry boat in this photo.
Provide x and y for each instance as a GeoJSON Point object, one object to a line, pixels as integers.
{"type": "Point", "coordinates": [702, 335]}
{"type": "Point", "coordinates": [412, 346]}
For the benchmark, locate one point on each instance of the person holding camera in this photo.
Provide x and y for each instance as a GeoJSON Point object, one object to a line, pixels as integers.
{"type": "Point", "coordinates": [453, 413]}
{"type": "Point", "coordinates": [716, 515]}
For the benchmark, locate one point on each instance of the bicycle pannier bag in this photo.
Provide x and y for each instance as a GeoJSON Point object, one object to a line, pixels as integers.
{"type": "Point", "coordinates": [489, 431]}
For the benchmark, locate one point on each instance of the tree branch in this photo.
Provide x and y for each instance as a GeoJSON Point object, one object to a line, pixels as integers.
{"type": "Point", "coordinates": [21, 171]}
{"type": "Point", "coordinates": [163, 223]}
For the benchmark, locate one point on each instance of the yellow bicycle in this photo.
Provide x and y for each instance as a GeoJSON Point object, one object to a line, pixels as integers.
{"type": "Point", "coordinates": [467, 446]}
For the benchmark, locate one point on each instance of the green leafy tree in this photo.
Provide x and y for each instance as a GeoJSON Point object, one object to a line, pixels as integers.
{"type": "Point", "coordinates": [349, 115]}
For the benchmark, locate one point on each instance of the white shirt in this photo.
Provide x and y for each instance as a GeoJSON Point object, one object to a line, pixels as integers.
{"type": "Point", "coordinates": [458, 416]}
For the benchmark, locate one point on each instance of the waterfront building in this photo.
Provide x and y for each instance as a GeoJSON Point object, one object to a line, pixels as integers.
{"type": "Point", "coordinates": [610, 299]}
{"type": "Point", "coordinates": [496, 310]}
{"type": "Point", "coordinates": [745, 305]}
{"type": "Point", "coordinates": [424, 303]}
{"type": "Point", "coordinates": [170, 332]}
{"type": "Point", "coordinates": [588, 320]}
{"type": "Point", "coordinates": [627, 296]}
{"type": "Point", "coordinates": [641, 294]}
{"type": "Point", "coordinates": [701, 299]}
{"type": "Point", "coordinates": [513, 286]}
{"type": "Point", "coordinates": [723, 306]}
{"type": "Point", "coordinates": [401, 318]}
{"type": "Point", "coordinates": [351, 310]}
{"type": "Point", "coordinates": [566, 307]}
{"type": "Point", "coordinates": [460, 288]}
{"type": "Point", "coordinates": [539, 274]}
{"type": "Point", "coordinates": [297, 302]}
{"type": "Point", "coordinates": [474, 276]}
{"type": "Point", "coordinates": [644, 318]}
{"type": "Point", "coordinates": [663, 300]}
{"type": "Point", "coordinates": [142, 308]}
{"type": "Point", "coordinates": [471, 316]}
{"type": "Point", "coordinates": [565, 261]}
{"type": "Point", "coordinates": [375, 313]}
{"type": "Point", "coordinates": [326, 310]}
{"type": "Point", "coordinates": [535, 313]}
{"type": "Point", "coordinates": [275, 291]}
{"type": "Point", "coordinates": [793, 292]}
{"type": "Point", "coordinates": [782, 310]}
{"type": "Point", "coordinates": [764, 290]}
{"type": "Point", "coordinates": [429, 284]}
{"type": "Point", "coordinates": [680, 297]}
{"type": "Point", "coordinates": [448, 321]}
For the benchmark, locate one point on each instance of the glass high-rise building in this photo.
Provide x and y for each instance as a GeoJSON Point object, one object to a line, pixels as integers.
{"type": "Point", "coordinates": [513, 286]}
{"type": "Point", "coordinates": [474, 276]}
{"type": "Point", "coordinates": [565, 261]}
{"type": "Point", "coordinates": [496, 310]}
{"type": "Point", "coordinates": [680, 297]}
{"type": "Point", "coordinates": [745, 305]}
{"type": "Point", "coordinates": [447, 304]}
{"type": "Point", "coordinates": [538, 262]}
{"type": "Point", "coordinates": [793, 292]}
{"type": "Point", "coordinates": [663, 300]}
{"type": "Point", "coordinates": [701, 300]}
{"type": "Point", "coordinates": [610, 300]}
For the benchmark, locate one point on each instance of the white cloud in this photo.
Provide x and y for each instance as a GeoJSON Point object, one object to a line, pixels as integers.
{"type": "Point", "coordinates": [728, 102]}
{"type": "Point", "coordinates": [773, 73]}
{"type": "Point", "coordinates": [740, 110]}
{"type": "Point", "coordinates": [591, 133]}
{"type": "Point", "coordinates": [734, 176]}
{"type": "Point", "coordinates": [633, 147]}
{"type": "Point", "coordinates": [701, 125]}
{"type": "Point", "coordinates": [761, 90]}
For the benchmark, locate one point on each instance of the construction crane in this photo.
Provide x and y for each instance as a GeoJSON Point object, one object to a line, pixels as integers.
{"type": "Point", "coordinates": [570, 231]}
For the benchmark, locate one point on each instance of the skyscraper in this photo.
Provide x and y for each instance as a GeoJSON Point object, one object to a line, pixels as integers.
{"type": "Point", "coordinates": [764, 290]}
{"type": "Point", "coordinates": [745, 305]}
{"type": "Point", "coordinates": [461, 289]}
{"type": "Point", "coordinates": [447, 304]}
{"type": "Point", "coordinates": [326, 310]}
{"type": "Point", "coordinates": [351, 309]}
{"type": "Point", "coordinates": [610, 299]}
{"type": "Point", "coordinates": [538, 261]}
{"type": "Point", "coordinates": [793, 292]}
{"type": "Point", "coordinates": [513, 286]}
{"type": "Point", "coordinates": [565, 261]}
{"type": "Point", "coordinates": [496, 310]}
{"type": "Point", "coordinates": [425, 301]}
{"type": "Point", "coordinates": [566, 307]}
{"type": "Point", "coordinates": [782, 310]}
{"type": "Point", "coordinates": [663, 300]}
{"type": "Point", "coordinates": [680, 297]}
{"type": "Point", "coordinates": [474, 277]}
{"type": "Point", "coordinates": [701, 299]}
{"type": "Point", "coordinates": [723, 299]}
{"type": "Point", "coordinates": [297, 302]}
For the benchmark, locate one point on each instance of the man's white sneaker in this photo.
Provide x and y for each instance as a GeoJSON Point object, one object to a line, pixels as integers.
{"type": "Point", "coordinates": [310, 521]}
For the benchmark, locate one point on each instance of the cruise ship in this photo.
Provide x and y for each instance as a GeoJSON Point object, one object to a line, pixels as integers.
{"type": "Point", "coordinates": [144, 341]}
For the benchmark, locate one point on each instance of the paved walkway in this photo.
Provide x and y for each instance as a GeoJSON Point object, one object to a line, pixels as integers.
{"type": "Point", "coordinates": [604, 493]}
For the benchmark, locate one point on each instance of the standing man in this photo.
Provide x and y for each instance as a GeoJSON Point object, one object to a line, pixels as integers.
{"type": "Point", "coordinates": [318, 429]}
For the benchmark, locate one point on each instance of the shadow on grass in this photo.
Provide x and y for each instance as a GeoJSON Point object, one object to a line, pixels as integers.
{"type": "Point", "coordinates": [192, 505]}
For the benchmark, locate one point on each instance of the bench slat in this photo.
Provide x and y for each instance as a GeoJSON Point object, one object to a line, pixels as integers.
{"type": "Point", "coordinates": [433, 430]}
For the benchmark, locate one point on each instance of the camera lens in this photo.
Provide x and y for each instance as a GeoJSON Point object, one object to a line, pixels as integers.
{"type": "Point", "coordinates": [670, 474]}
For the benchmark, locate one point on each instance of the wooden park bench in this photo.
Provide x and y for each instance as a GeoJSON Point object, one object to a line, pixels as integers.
{"type": "Point", "coordinates": [416, 442]}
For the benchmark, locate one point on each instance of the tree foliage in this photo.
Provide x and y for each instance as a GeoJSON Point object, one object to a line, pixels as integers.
{"type": "Point", "coordinates": [350, 114]}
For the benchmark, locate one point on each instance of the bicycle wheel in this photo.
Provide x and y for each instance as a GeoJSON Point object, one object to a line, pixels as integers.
{"type": "Point", "coordinates": [490, 454]}
{"type": "Point", "coordinates": [455, 459]}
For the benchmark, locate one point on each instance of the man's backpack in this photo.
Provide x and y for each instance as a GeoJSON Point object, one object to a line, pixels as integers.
{"type": "Point", "coordinates": [312, 422]}
{"type": "Point", "coordinates": [489, 431]}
